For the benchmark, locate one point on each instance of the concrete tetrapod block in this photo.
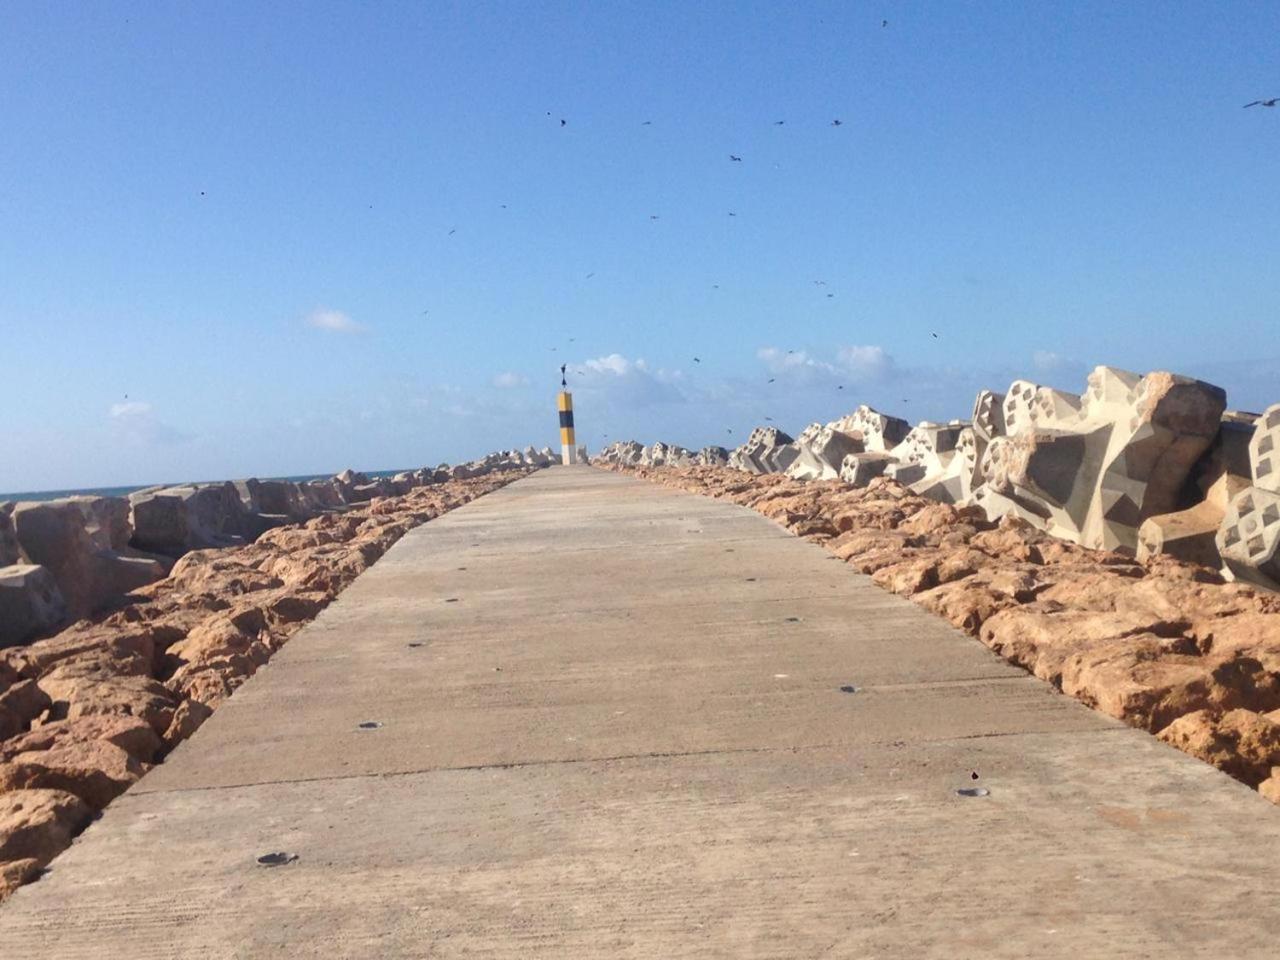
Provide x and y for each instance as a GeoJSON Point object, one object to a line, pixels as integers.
{"type": "Point", "coordinates": [821, 452]}
{"type": "Point", "coordinates": [30, 603]}
{"type": "Point", "coordinates": [988, 415]}
{"type": "Point", "coordinates": [767, 450]}
{"type": "Point", "coordinates": [10, 549]}
{"type": "Point", "coordinates": [1172, 422]}
{"type": "Point", "coordinates": [859, 469]}
{"type": "Point", "coordinates": [876, 431]}
{"type": "Point", "coordinates": [1249, 539]}
{"type": "Point", "coordinates": [1027, 405]}
{"type": "Point", "coordinates": [1264, 450]}
{"type": "Point", "coordinates": [713, 456]}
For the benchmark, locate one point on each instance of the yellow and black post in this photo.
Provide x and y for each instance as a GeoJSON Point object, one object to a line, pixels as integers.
{"type": "Point", "coordinates": [568, 451]}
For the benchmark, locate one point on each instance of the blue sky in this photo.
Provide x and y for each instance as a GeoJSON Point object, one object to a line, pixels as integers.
{"type": "Point", "coordinates": [267, 239]}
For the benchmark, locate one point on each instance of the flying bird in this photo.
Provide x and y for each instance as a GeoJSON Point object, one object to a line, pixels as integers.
{"type": "Point", "coordinates": [778, 123]}
{"type": "Point", "coordinates": [837, 123]}
{"type": "Point", "coordinates": [591, 274]}
{"type": "Point", "coordinates": [453, 231]}
{"type": "Point", "coordinates": [830, 295]}
{"type": "Point", "coordinates": [1263, 103]}
{"type": "Point", "coordinates": [653, 216]}
{"type": "Point", "coordinates": [646, 123]}
{"type": "Point", "coordinates": [771, 379]}
{"type": "Point", "coordinates": [770, 419]}
{"type": "Point", "coordinates": [732, 214]}
{"type": "Point", "coordinates": [735, 159]}
{"type": "Point", "coordinates": [696, 360]}
{"type": "Point", "coordinates": [884, 23]}
{"type": "Point", "coordinates": [935, 336]}
{"type": "Point", "coordinates": [819, 283]}
{"type": "Point", "coordinates": [563, 122]}
{"type": "Point", "coordinates": [841, 387]}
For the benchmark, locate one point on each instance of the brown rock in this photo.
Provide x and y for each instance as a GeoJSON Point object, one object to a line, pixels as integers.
{"type": "Point", "coordinates": [87, 694]}
{"type": "Point", "coordinates": [95, 771]}
{"type": "Point", "coordinates": [19, 705]}
{"type": "Point", "coordinates": [14, 873]}
{"type": "Point", "coordinates": [1270, 788]}
{"type": "Point", "coordinates": [1241, 743]}
{"type": "Point", "coordinates": [38, 824]}
{"type": "Point", "coordinates": [186, 721]}
{"type": "Point", "coordinates": [132, 734]}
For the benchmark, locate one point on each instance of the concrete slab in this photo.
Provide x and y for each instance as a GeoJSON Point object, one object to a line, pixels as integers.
{"type": "Point", "coordinates": [615, 744]}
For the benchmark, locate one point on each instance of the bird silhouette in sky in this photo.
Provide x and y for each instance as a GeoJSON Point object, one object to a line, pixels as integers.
{"type": "Point", "coordinates": [653, 216]}
{"type": "Point", "coordinates": [819, 283]}
{"type": "Point", "coordinates": [563, 122]}
{"type": "Point", "coordinates": [884, 23]}
{"type": "Point", "coordinates": [647, 123]}
{"type": "Point", "coordinates": [841, 387]}
{"type": "Point", "coordinates": [770, 419]}
{"type": "Point", "coordinates": [735, 159]}
{"type": "Point", "coordinates": [696, 360]}
{"type": "Point", "coordinates": [503, 205]}
{"type": "Point", "coordinates": [591, 274]}
{"type": "Point", "coordinates": [935, 336]}
{"type": "Point", "coordinates": [732, 214]}
{"type": "Point", "coordinates": [453, 231]}
{"type": "Point", "coordinates": [830, 295]}
{"type": "Point", "coordinates": [715, 286]}
{"type": "Point", "coordinates": [778, 123]}
{"type": "Point", "coordinates": [837, 123]}
{"type": "Point", "coordinates": [1263, 103]}
{"type": "Point", "coordinates": [771, 379]}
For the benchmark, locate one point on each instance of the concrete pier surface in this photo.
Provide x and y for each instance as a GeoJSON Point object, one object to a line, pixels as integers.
{"type": "Point", "coordinates": [609, 719]}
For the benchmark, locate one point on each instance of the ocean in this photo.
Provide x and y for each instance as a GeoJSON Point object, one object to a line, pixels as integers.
{"type": "Point", "coordinates": [125, 491]}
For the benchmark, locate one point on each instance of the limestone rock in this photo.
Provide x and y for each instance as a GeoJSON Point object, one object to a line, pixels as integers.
{"type": "Point", "coordinates": [95, 771]}
{"type": "Point", "coordinates": [30, 603]}
{"type": "Point", "coordinates": [133, 735]}
{"type": "Point", "coordinates": [19, 705]}
{"type": "Point", "coordinates": [38, 824]}
{"type": "Point", "coordinates": [1242, 743]}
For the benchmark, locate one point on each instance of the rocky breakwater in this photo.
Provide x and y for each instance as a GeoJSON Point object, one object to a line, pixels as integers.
{"type": "Point", "coordinates": [1120, 544]}
{"type": "Point", "coordinates": [86, 712]}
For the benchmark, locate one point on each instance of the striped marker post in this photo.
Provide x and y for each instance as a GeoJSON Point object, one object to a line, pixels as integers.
{"type": "Point", "coordinates": [568, 451]}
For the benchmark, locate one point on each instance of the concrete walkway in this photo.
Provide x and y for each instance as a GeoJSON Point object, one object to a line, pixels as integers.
{"type": "Point", "coordinates": [613, 725]}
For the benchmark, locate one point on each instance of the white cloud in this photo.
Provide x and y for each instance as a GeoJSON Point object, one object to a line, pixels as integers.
{"type": "Point", "coordinates": [130, 408]}
{"type": "Point", "coordinates": [866, 363]}
{"type": "Point", "coordinates": [134, 422]}
{"type": "Point", "coordinates": [333, 320]}
{"type": "Point", "coordinates": [856, 363]}
{"type": "Point", "coordinates": [510, 380]}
